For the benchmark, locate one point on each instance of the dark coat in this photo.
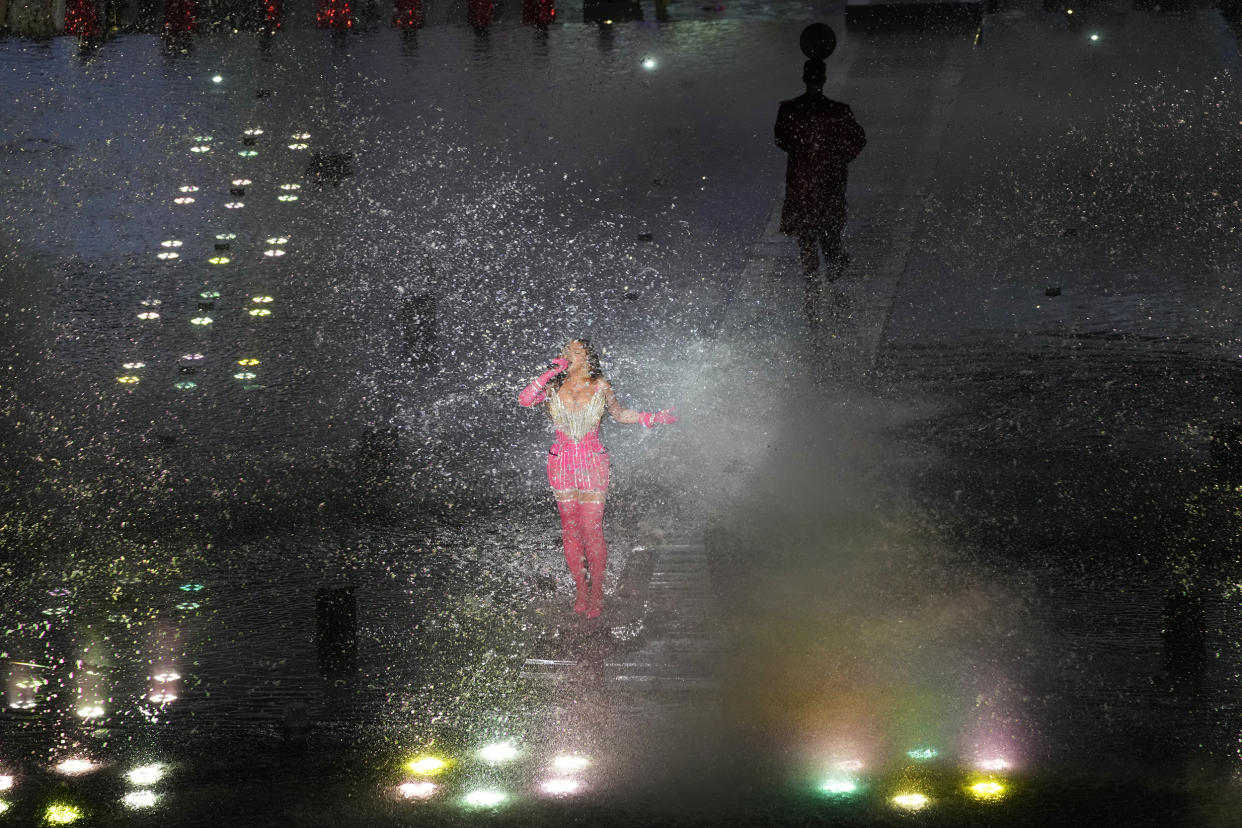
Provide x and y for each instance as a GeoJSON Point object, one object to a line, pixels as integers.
{"type": "Point", "coordinates": [822, 138]}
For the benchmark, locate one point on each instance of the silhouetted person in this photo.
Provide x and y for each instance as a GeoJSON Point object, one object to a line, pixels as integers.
{"type": "Point", "coordinates": [821, 138]}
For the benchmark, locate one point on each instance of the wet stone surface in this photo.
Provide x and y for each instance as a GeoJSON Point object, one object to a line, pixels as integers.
{"type": "Point", "coordinates": [963, 555]}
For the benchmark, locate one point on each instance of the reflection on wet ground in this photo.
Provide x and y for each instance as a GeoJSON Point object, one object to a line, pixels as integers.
{"type": "Point", "coordinates": [277, 542]}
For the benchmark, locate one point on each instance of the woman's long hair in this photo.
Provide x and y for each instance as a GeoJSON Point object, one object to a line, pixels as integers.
{"type": "Point", "coordinates": [594, 370]}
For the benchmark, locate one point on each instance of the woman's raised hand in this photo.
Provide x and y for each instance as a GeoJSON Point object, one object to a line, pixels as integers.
{"type": "Point", "coordinates": [560, 364]}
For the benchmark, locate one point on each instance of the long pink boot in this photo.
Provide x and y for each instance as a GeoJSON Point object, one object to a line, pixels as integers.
{"type": "Point", "coordinates": [571, 539]}
{"type": "Point", "coordinates": [591, 517]}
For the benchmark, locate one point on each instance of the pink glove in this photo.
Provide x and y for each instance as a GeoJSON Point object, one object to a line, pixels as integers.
{"type": "Point", "coordinates": [534, 393]}
{"type": "Point", "coordinates": [665, 417]}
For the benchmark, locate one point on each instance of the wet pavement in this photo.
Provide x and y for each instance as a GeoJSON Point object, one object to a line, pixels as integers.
{"type": "Point", "coordinates": [965, 542]}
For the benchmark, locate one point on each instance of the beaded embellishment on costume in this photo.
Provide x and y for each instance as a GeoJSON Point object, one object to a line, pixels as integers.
{"type": "Point", "coordinates": [578, 423]}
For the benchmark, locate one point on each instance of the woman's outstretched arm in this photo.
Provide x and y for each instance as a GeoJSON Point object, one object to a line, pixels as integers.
{"type": "Point", "coordinates": [628, 415]}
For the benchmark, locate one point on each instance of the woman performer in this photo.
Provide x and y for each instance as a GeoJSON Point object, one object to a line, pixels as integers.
{"type": "Point", "coordinates": [576, 394]}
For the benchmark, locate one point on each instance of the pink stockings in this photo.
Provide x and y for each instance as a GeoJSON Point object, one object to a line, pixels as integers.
{"type": "Point", "coordinates": [582, 532]}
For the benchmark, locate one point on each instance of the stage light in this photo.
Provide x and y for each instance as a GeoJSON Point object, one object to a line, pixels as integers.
{"type": "Point", "coordinates": [247, 153]}
{"type": "Point", "coordinates": [300, 136]}
{"type": "Point", "coordinates": [275, 251]}
{"type": "Point", "coordinates": [649, 63]}
{"type": "Point", "coordinates": [242, 182]}
{"type": "Point", "coordinates": [248, 361]}
{"type": "Point", "coordinates": [91, 711]}
{"type": "Point", "coordinates": [140, 799]}
{"type": "Point", "coordinates": [987, 790]}
{"type": "Point", "coordinates": [261, 299]}
{"type": "Point", "coordinates": [217, 79]}
{"type": "Point", "coordinates": [286, 198]}
{"type": "Point", "coordinates": [61, 814]}
{"type": "Point", "coordinates": [200, 148]}
{"type": "Point", "coordinates": [911, 801]}
{"type": "Point", "coordinates": [127, 380]}
{"type": "Point", "coordinates": [183, 200]}
{"type": "Point", "coordinates": [569, 763]}
{"type": "Point", "coordinates": [417, 790]}
{"type": "Point", "coordinates": [185, 385]}
{"type": "Point", "coordinates": [201, 320]}
{"type": "Point", "coordinates": [234, 205]}
{"type": "Point", "coordinates": [498, 752]}
{"type": "Point", "coordinates": [6, 782]}
{"type": "Point", "coordinates": [290, 186]}
{"type": "Point", "coordinates": [170, 243]}
{"type": "Point", "coordinates": [244, 375]}
{"type": "Point", "coordinates": [838, 786]}
{"type": "Point", "coordinates": [146, 775]}
{"type": "Point", "coordinates": [75, 767]}
{"type": "Point", "coordinates": [148, 315]}
{"type": "Point", "coordinates": [219, 260]}
{"type": "Point", "coordinates": [561, 787]}
{"type": "Point", "coordinates": [278, 240]}
{"type": "Point", "coordinates": [191, 357]}
{"type": "Point", "coordinates": [167, 254]}
{"type": "Point", "coordinates": [923, 754]}
{"type": "Point", "coordinates": [484, 798]}
{"type": "Point", "coordinates": [166, 677]}
{"type": "Point", "coordinates": [260, 312]}
{"type": "Point", "coordinates": [298, 146]}
{"type": "Point", "coordinates": [188, 188]}
{"type": "Point", "coordinates": [427, 765]}
{"type": "Point", "coordinates": [225, 237]}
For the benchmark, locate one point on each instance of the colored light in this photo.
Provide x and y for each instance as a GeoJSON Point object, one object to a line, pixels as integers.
{"type": "Point", "coordinates": [298, 146]}
{"type": "Point", "coordinates": [989, 789]}
{"type": "Point", "coordinates": [183, 200]}
{"type": "Point", "coordinates": [248, 361]}
{"type": "Point", "coordinates": [290, 186]}
{"type": "Point", "coordinates": [498, 752]}
{"type": "Point", "coordinates": [170, 243]}
{"type": "Point", "coordinates": [911, 801]}
{"type": "Point", "coordinates": [254, 131]}
{"type": "Point", "coordinates": [278, 240]}
{"type": "Point", "coordinates": [4, 806]}
{"type": "Point", "coordinates": [484, 798]}
{"type": "Point", "coordinates": [570, 763]}
{"type": "Point", "coordinates": [162, 697]}
{"type": "Point", "coordinates": [148, 315]}
{"type": "Point", "coordinates": [191, 587]}
{"type": "Point", "coordinates": [93, 711]}
{"type": "Point", "coordinates": [6, 782]}
{"type": "Point", "coordinates": [185, 385]}
{"type": "Point", "coordinates": [200, 148]}
{"type": "Point", "coordinates": [561, 787]}
{"type": "Point", "coordinates": [74, 767]}
{"type": "Point", "coordinates": [146, 775]}
{"type": "Point", "coordinates": [426, 765]}
{"type": "Point", "coordinates": [59, 814]}
{"type": "Point", "coordinates": [201, 320]}
{"type": "Point", "coordinates": [242, 182]}
{"type": "Point", "coordinates": [923, 754]}
{"type": "Point", "coordinates": [209, 294]}
{"type": "Point", "coordinates": [140, 799]}
{"type": "Point", "coordinates": [167, 255]}
{"type": "Point", "coordinates": [188, 188]}
{"type": "Point", "coordinates": [151, 302]}
{"type": "Point", "coordinates": [275, 251]}
{"type": "Point", "coordinates": [994, 764]}
{"type": "Point", "coordinates": [191, 357]}
{"type": "Point", "coordinates": [234, 205]}
{"type": "Point", "coordinates": [417, 790]}
{"type": "Point", "coordinates": [166, 677]}
{"type": "Point", "coordinates": [244, 375]}
{"type": "Point", "coordinates": [286, 198]}
{"type": "Point", "coordinates": [838, 786]}
{"type": "Point", "coordinates": [127, 380]}
{"type": "Point", "coordinates": [852, 765]}
{"type": "Point", "coordinates": [188, 605]}
{"type": "Point", "coordinates": [247, 153]}
{"type": "Point", "coordinates": [260, 312]}
{"type": "Point", "coordinates": [649, 63]}
{"type": "Point", "coordinates": [225, 236]}
{"type": "Point", "coordinates": [261, 299]}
